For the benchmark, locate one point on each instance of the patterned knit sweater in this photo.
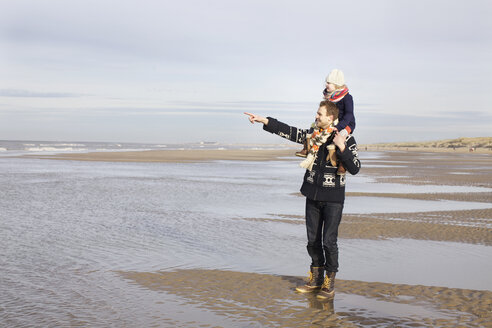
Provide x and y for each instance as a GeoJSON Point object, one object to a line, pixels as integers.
{"type": "Point", "coordinates": [322, 183]}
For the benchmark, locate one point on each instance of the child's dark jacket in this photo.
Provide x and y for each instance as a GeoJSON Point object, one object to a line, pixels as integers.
{"type": "Point", "coordinates": [346, 113]}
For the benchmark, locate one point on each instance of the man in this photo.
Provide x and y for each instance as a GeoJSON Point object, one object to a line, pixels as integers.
{"type": "Point", "coordinates": [324, 190]}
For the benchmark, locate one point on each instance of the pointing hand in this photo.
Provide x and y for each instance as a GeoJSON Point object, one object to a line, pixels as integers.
{"type": "Point", "coordinates": [256, 118]}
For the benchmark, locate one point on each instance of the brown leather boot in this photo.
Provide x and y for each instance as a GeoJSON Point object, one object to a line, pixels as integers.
{"type": "Point", "coordinates": [332, 155]}
{"type": "Point", "coordinates": [305, 149]}
{"type": "Point", "coordinates": [315, 280]}
{"type": "Point", "coordinates": [328, 289]}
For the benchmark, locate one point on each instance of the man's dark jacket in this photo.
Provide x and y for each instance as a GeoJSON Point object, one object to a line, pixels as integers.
{"type": "Point", "coordinates": [322, 183]}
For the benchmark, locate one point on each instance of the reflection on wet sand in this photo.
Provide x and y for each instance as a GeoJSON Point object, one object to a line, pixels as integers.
{"type": "Point", "coordinates": [262, 300]}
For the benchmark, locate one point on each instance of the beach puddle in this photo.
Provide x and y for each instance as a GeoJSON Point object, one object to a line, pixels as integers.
{"type": "Point", "coordinates": [362, 204]}
{"type": "Point", "coordinates": [431, 263]}
{"type": "Point", "coordinates": [372, 308]}
{"type": "Point", "coordinates": [369, 184]}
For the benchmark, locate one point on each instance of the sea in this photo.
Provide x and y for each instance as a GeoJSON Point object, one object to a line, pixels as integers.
{"type": "Point", "coordinates": [69, 228]}
{"type": "Point", "coordinates": [23, 147]}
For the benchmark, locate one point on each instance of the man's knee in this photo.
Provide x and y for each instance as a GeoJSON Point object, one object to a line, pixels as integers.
{"type": "Point", "coordinates": [330, 240]}
{"type": "Point", "coordinates": [331, 248]}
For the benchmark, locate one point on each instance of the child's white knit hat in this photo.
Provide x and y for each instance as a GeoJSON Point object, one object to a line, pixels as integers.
{"type": "Point", "coordinates": [336, 77]}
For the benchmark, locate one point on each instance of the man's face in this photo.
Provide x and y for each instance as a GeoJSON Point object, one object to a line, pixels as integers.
{"type": "Point", "coordinates": [322, 120]}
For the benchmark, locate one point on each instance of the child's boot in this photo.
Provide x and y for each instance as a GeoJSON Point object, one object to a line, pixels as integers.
{"type": "Point", "coordinates": [341, 169]}
{"type": "Point", "coordinates": [332, 155]}
{"type": "Point", "coordinates": [305, 149]}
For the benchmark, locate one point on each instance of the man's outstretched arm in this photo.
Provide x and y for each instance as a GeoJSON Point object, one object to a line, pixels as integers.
{"type": "Point", "coordinates": [279, 128]}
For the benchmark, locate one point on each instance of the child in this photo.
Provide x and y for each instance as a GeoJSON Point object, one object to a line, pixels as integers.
{"type": "Point", "coordinates": [337, 92]}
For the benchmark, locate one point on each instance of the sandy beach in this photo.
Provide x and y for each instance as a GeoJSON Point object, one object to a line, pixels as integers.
{"type": "Point", "coordinates": [175, 156]}
{"type": "Point", "coordinates": [263, 300]}
{"type": "Point", "coordinates": [412, 149]}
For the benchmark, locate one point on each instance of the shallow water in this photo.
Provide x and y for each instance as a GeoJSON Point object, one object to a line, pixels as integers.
{"type": "Point", "coordinates": [364, 183]}
{"type": "Point", "coordinates": [360, 205]}
{"type": "Point", "coordinates": [67, 227]}
{"type": "Point", "coordinates": [417, 262]}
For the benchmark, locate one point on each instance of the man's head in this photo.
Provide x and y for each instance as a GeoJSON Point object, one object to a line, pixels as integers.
{"type": "Point", "coordinates": [327, 113]}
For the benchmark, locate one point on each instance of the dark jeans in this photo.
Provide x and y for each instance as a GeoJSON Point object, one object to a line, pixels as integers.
{"type": "Point", "coordinates": [322, 220]}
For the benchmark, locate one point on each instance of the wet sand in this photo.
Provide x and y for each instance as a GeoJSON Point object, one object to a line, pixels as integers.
{"type": "Point", "coordinates": [437, 226]}
{"type": "Point", "coordinates": [260, 300]}
{"type": "Point", "coordinates": [175, 156]}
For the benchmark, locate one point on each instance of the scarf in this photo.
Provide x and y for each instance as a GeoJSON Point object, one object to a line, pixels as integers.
{"type": "Point", "coordinates": [337, 95]}
{"type": "Point", "coordinates": [317, 138]}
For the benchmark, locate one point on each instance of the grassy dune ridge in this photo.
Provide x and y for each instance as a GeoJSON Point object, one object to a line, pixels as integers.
{"type": "Point", "coordinates": [483, 144]}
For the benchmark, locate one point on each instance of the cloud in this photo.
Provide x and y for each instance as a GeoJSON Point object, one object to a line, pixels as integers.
{"type": "Point", "coordinates": [17, 93]}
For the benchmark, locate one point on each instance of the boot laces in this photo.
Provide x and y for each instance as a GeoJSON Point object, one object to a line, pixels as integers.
{"type": "Point", "coordinates": [327, 282]}
{"type": "Point", "coordinates": [311, 277]}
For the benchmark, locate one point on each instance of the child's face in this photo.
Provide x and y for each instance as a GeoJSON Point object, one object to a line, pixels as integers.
{"type": "Point", "coordinates": [330, 87]}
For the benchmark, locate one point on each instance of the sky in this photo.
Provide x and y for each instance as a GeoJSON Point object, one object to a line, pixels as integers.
{"type": "Point", "coordinates": [185, 71]}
